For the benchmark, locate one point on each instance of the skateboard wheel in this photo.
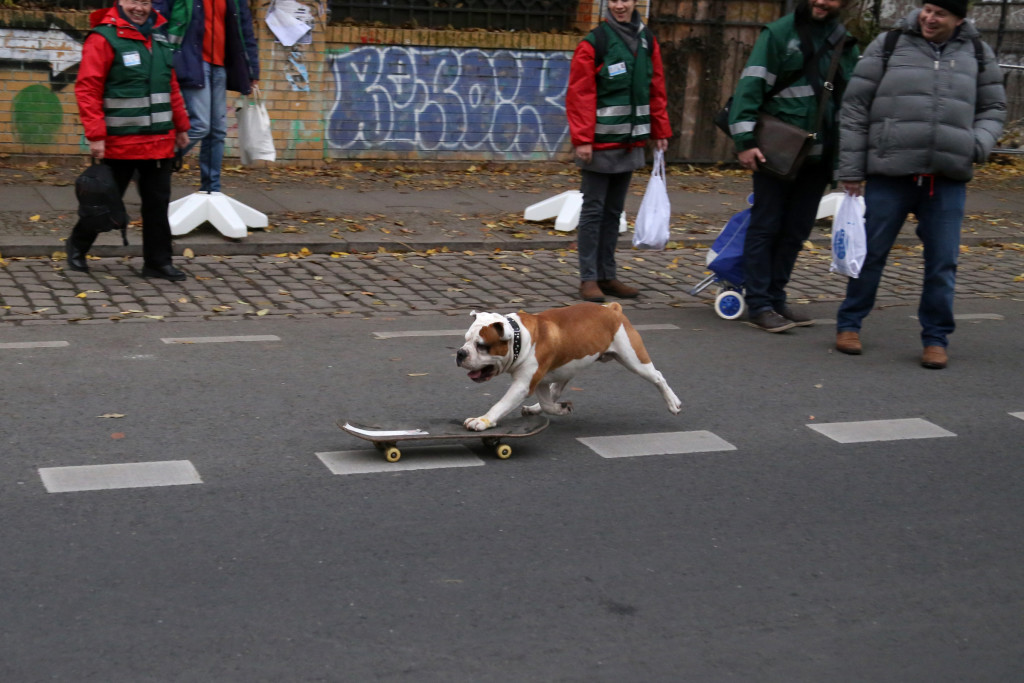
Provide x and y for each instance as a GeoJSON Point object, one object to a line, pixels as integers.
{"type": "Point", "coordinates": [392, 454]}
{"type": "Point", "coordinates": [504, 451]}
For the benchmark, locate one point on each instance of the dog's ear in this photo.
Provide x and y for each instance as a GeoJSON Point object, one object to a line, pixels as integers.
{"type": "Point", "coordinates": [501, 330]}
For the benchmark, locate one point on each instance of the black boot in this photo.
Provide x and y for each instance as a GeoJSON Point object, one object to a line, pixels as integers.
{"type": "Point", "coordinates": [167, 272]}
{"type": "Point", "coordinates": [76, 258]}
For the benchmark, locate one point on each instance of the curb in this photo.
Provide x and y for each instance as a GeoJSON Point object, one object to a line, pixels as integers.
{"type": "Point", "coordinates": [265, 244]}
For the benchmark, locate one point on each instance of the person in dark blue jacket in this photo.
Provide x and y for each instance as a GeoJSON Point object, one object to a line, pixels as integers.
{"type": "Point", "coordinates": [216, 52]}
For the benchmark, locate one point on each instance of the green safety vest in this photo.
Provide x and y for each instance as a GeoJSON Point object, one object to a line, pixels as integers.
{"type": "Point", "coordinates": [623, 88]}
{"type": "Point", "coordinates": [137, 95]}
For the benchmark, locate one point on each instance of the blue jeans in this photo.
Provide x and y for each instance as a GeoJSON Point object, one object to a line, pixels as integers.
{"type": "Point", "coordinates": [780, 222]}
{"type": "Point", "coordinates": [604, 197]}
{"type": "Point", "coordinates": [939, 207]}
{"type": "Point", "coordinates": [208, 114]}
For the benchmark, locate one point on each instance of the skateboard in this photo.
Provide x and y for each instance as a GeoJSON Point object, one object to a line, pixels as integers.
{"type": "Point", "coordinates": [386, 436]}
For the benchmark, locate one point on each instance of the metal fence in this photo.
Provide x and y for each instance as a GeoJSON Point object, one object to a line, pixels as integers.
{"type": "Point", "coordinates": [519, 15]}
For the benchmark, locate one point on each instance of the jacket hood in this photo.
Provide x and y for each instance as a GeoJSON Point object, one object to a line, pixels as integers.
{"type": "Point", "coordinates": [967, 30]}
{"type": "Point", "coordinates": [109, 15]}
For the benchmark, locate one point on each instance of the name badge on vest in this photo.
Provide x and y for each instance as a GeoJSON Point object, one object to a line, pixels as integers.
{"type": "Point", "coordinates": [132, 59]}
{"type": "Point", "coordinates": [617, 69]}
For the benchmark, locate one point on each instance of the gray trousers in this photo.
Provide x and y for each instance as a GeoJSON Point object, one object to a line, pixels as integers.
{"type": "Point", "coordinates": [604, 198]}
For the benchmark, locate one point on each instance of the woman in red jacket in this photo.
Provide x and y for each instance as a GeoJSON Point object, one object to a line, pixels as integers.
{"type": "Point", "coordinates": [134, 118]}
{"type": "Point", "coordinates": [615, 102]}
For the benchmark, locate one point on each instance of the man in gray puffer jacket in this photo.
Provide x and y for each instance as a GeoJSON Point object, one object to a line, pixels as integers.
{"type": "Point", "coordinates": [913, 128]}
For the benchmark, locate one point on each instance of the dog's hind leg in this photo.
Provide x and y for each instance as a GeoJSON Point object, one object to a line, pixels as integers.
{"type": "Point", "coordinates": [626, 345]}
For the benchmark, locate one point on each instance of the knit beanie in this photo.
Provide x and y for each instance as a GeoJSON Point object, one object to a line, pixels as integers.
{"type": "Point", "coordinates": [957, 7]}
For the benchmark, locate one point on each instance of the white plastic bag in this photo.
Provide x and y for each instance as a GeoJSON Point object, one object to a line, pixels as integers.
{"type": "Point", "coordinates": [849, 242]}
{"type": "Point", "coordinates": [655, 214]}
{"type": "Point", "coordinates": [255, 141]}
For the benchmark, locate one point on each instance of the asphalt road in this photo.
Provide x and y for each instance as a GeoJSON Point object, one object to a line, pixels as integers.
{"type": "Point", "coordinates": [791, 557]}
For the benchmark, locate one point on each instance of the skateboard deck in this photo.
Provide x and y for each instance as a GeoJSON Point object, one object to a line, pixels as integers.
{"type": "Point", "coordinates": [387, 435]}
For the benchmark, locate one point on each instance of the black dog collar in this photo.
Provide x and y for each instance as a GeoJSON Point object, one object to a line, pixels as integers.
{"type": "Point", "coordinates": [517, 338]}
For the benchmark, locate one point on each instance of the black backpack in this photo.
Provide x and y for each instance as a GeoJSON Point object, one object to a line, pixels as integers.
{"type": "Point", "coordinates": [100, 207]}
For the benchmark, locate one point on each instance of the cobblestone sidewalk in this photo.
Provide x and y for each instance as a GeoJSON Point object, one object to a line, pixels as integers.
{"type": "Point", "coordinates": [39, 291]}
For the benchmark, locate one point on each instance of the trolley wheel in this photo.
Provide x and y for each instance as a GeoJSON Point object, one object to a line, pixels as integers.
{"type": "Point", "coordinates": [392, 454]}
{"type": "Point", "coordinates": [503, 451]}
{"type": "Point", "coordinates": [730, 304]}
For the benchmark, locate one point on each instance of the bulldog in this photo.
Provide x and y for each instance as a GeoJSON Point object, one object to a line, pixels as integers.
{"type": "Point", "coordinates": [543, 352]}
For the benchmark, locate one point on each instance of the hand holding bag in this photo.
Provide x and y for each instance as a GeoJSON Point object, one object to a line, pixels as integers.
{"type": "Point", "coordinates": [655, 214]}
{"type": "Point", "coordinates": [100, 205]}
{"type": "Point", "coordinates": [849, 241]}
{"type": "Point", "coordinates": [255, 140]}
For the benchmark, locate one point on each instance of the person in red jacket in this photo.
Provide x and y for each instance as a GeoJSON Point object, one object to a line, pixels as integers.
{"type": "Point", "coordinates": [134, 118]}
{"type": "Point", "coordinates": [615, 103]}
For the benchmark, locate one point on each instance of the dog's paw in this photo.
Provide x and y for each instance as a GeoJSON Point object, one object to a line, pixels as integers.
{"type": "Point", "coordinates": [477, 424]}
{"type": "Point", "coordinates": [535, 409]}
{"type": "Point", "coordinates": [675, 407]}
{"type": "Point", "coordinates": [561, 408]}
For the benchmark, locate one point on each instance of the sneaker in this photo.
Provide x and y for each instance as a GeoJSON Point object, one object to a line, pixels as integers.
{"type": "Point", "coordinates": [848, 343]}
{"type": "Point", "coordinates": [770, 321]}
{"type": "Point", "coordinates": [934, 357]}
{"type": "Point", "coordinates": [589, 291]}
{"type": "Point", "coordinates": [618, 289]}
{"type": "Point", "coordinates": [800, 319]}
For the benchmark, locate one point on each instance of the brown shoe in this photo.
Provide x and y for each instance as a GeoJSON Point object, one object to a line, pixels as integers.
{"type": "Point", "coordinates": [589, 291]}
{"type": "Point", "coordinates": [616, 288]}
{"type": "Point", "coordinates": [848, 343]}
{"type": "Point", "coordinates": [934, 357]}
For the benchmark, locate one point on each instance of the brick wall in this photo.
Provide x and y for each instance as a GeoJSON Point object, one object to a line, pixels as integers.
{"type": "Point", "coordinates": [353, 93]}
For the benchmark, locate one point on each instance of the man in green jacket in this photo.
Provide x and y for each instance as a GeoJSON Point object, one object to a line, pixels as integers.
{"type": "Point", "coordinates": [784, 77]}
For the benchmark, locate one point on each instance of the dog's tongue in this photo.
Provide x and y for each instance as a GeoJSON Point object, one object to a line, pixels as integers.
{"type": "Point", "coordinates": [475, 374]}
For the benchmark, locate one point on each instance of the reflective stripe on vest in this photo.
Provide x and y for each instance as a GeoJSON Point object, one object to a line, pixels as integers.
{"type": "Point", "coordinates": [623, 100]}
{"type": "Point", "coordinates": [137, 93]}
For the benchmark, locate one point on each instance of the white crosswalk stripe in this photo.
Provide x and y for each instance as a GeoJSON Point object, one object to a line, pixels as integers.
{"type": "Point", "coordinates": [370, 460]}
{"type": "Point", "coordinates": [221, 340]}
{"type": "Point", "coordinates": [664, 443]}
{"type": "Point", "coordinates": [399, 334]}
{"type": "Point", "coordinates": [119, 476]}
{"type": "Point", "coordinates": [881, 430]}
{"type": "Point", "coordinates": [34, 345]}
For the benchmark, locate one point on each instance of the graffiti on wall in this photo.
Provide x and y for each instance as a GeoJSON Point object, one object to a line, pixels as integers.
{"type": "Point", "coordinates": [499, 102]}
{"type": "Point", "coordinates": [36, 112]}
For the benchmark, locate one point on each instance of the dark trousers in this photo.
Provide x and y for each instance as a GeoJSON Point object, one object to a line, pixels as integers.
{"type": "Point", "coordinates": [781, 220]}
{"type": "Point", "coordinates": [154, 184]}
{"type": "Point", "coordinates": [604, 198]}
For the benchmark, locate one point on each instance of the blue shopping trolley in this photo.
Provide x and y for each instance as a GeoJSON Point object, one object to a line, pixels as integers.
{"type": "Point", "coordinates": [725, 261]}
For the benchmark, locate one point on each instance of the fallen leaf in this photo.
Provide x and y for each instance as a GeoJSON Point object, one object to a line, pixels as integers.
{"type": "Point", "coordinates": [418, 374]}
{"type": "Point", "coordinates": [111, 415]}
{"type": "Point", "coordinates": [188, 253]}
{"type": "Point", "coordinates": [117, 435]}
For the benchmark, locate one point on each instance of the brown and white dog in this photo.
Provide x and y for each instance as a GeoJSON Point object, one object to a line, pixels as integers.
{"type": "Point", "coordinates": [544, 352]}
